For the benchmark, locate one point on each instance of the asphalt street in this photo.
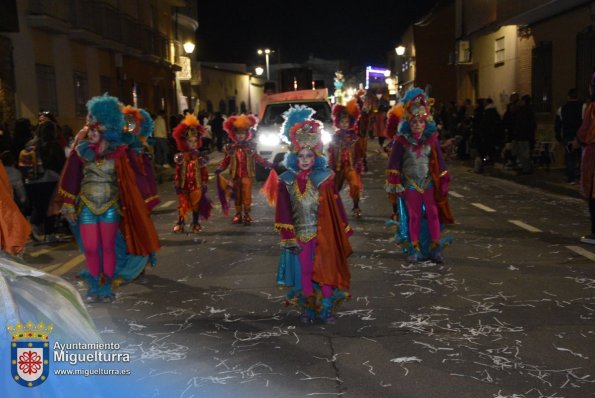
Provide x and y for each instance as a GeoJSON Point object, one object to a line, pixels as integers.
{"type": "Point", "coordinates": [511, 313]}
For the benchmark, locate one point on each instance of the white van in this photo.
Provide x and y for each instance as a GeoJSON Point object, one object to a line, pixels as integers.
{"type": "Point", "coordinates": [272, 108]}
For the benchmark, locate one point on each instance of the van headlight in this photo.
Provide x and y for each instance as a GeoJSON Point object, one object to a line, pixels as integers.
{"type": "Point", "coordinates": [326, 137]}
{"type": "Point", "coordinates": [269, 139]}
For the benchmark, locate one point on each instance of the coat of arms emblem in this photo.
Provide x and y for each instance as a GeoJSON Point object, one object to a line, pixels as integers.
{"type": "Point", "coordinates": [30, 353]}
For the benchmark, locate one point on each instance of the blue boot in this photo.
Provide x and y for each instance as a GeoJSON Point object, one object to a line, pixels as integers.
{"type": "Point", "coordinates": [326, 314]}
{"type": "Point", "coordinates": [105, 290]}
{"type": "Point", "coordinates": [93, 292]}
{"type": "Point", "coordinates": [436, 253]}
{"type": "Point", "coordinates": [307, 306]}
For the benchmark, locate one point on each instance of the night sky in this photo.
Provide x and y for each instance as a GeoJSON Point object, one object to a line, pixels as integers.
{"type": "Point", "coordinates": [232, 31]}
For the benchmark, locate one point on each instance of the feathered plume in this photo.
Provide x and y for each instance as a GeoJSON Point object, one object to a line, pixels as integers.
{"type": "Point", "coordinates": [412, 93]}
{"type": "Point", "coordinates": [351, 109]}
{"type": "Point", "coordinates": [394, 116]}
{"type": "Point", "coordinates": [147, 124]}
{"type": "Point", "coordinates": [242, 122]}
{"type": "Point", "coordinates": [132, 119]}
{"type": "Point", "coordinates": [106, 110]}
{"type": "Point", "coordinates": [295, 114]}
{"type": "Point", "coordinates": [180, 133]}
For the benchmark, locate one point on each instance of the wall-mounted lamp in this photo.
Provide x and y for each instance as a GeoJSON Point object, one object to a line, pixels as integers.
{"type": "Point", "coordinates": [259, 70]}
{"type": "Point", "coordinates": [400, 50]}
{"type": "Point", "coordinates": [189, 47]}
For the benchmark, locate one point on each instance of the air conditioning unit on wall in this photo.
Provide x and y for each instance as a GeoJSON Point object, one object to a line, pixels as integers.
{"type": "Point", "coordinates": [463, 52]}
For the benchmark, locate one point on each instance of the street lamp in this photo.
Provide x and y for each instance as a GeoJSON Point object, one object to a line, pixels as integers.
{"type": "Point", "coordinates": [189, 47]}
{"type": "Point", "coordinates": [266, 53]}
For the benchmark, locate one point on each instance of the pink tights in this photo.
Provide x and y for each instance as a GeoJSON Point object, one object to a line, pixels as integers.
{"type": "Point", "coordinates": [414, 201]}
{"type": "Point", "coordinates": [100, 236]}
{"type": "Point", "coordinates": [306, 258]}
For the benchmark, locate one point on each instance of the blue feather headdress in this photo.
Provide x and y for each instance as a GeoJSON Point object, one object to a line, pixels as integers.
{"type": "Point", "coordinates": [294, 115]}
{"type": "Point", "coordinates": [417, 104]}
{"type": "Point", "coordinates": [146, 126]}
{"type": "Point", "coordinates": [106, 111]}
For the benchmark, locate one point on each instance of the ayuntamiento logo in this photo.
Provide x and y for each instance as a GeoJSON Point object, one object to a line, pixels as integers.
{"type": "Point", "coordinates": [30, 353]}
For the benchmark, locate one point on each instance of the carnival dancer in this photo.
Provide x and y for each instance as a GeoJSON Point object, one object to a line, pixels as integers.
{"type": "Point", "coordinates": [345, 152]}
{"type": "Point", "coordinates": [311, 220]}
{"type": "Point", "coordinates": [191, 176]}
{"type": "Point", "coordinates": [363, 125]}
{"type": "Point", "coordinates": [417, 173]}
{"type": "Point", "coordinates": [394, 116]}
{"type": "Point", "coordinates": [240, 157]}
{"type": "Point", "coordinates": [104, 200]}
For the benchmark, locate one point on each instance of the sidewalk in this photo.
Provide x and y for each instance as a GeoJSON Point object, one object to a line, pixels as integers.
{"type": "Point", "coordinates": [552, 180]}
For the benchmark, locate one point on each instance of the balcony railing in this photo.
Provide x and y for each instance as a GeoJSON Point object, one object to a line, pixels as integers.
{"type": "Point", "coordinates": [58, 9]}
{"type": "Point", "coordinates": [102, 21]}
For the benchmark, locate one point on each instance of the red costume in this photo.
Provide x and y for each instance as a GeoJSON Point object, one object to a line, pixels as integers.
{"type": "Point", "coordinates": [240, 156]}
{"type": "Point", "coordinates": [345, 153]}
{"type": "Point", "coordinates": [192, 176]}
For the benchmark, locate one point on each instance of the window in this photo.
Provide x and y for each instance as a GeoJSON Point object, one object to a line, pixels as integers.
{"type": "Point", "coordinates": [105, 84]}
{"type": "Point", "coordinates": [46, 88]}
{"type": "Point", "coordinates": [81, 93]}
{"type": "Point", "coordinates": [499, 51]}
{"type": "Point", "coordinates": [541, 77]}
{"type": "Point", "coordinates": [232, 106]}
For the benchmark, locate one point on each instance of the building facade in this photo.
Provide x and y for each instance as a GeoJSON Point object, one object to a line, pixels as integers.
{"type": "Point", "coordinates": [66, 51]}
{"type": "Point", "coordinates": [228, 88]}
{"type": "Point", "coordinates": [541, 48]}
{"type": "Point", "coordinates": [426, 50]}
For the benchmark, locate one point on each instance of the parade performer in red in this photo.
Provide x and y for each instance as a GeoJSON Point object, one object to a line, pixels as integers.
{"type": "Point", "coordinates": [191, 176]}
{"type": "Point", "coordinates": [14, 227]}
{"type": "Point", "coordinates": [417, 173]}
{"type": "Point", "coordinates": [345, 151]}
{"type": "Point", "coordinates": [311, 220]}
{"type": "Point", "coordinates": [240, 157]}
{"type": "Point", "coordinates": [102, 187]}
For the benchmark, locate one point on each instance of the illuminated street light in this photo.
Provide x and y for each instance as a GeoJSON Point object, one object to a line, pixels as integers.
{"type": "Point", "coordinates": [189, 47]}
{"type": "Point", "coordinates": [400, 50]}
{"type": "Point", "coordinates": [258, 70]}
{"type": "Point", "coordinates": [266, 53]}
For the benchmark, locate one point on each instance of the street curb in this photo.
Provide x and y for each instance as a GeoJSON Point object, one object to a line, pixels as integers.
{"type": "Point", "coordinates": [538, 180]}
{"type": "Point", "coordinates": [552, 180]}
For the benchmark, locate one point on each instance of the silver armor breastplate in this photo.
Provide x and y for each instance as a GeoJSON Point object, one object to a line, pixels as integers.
{"type": "Point", "coordinates": [99, 187]}
{"type": "Point", "coordinates": [304, 210]}
{"type": "Point", "coordinates": [416, 169]}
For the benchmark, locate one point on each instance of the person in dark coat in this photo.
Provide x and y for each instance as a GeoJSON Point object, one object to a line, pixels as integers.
{"type": "Point", "coordinates": [21, 136]}
{"type": "Point", "coordinates": [491, 132]}
{"type": "Point", "coordinates": [524, 134]}
{"type": "Point", "coordinates": [568, 120]}
{"type": "Point", "coordinates": [508, 122]}
{"type": "Point", "coordinates": [217, 129]}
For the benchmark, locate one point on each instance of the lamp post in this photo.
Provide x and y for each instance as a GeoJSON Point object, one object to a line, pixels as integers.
{"type": "Point", "coordinates": [266, 53]}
